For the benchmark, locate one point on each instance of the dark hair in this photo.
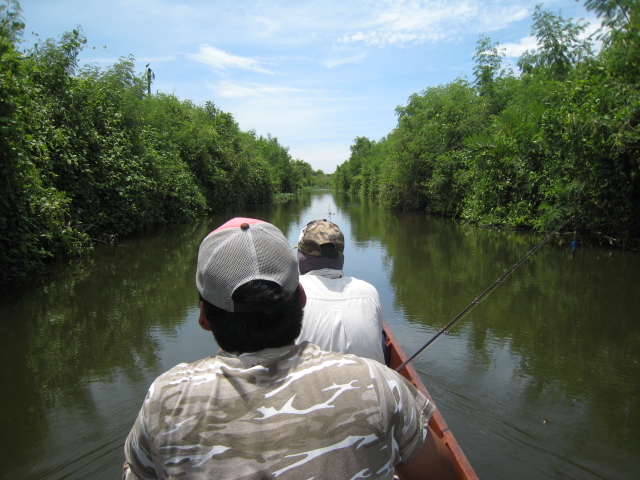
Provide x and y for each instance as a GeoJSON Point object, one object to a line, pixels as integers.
{"type": "Point", "coordinates": [277, 325]}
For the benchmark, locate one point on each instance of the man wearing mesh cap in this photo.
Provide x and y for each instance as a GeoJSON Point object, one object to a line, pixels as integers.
{"type": "Point", "coordinates": [264, 407]}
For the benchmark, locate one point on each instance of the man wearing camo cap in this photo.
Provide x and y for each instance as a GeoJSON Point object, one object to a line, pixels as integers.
{"type": "Point", "coordinates": [342, 314]}
{"type": "Point", "coordinates": [264, 408]}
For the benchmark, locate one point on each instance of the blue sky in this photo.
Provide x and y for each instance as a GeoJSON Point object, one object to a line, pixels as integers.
{"type": "Point", "coordinates": [314, 74]}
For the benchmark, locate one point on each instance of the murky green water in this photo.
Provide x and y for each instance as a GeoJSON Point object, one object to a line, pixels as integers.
{"type": "Point", "coordinates": [541, 380]}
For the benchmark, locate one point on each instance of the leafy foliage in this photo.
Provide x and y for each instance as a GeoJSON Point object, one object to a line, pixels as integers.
{"type": "Point", "coordinates": [88, 154]}
{"type": "Point", "coordinates": [560, 46]}
{"type": "Point", "coordinates": [560, 140]}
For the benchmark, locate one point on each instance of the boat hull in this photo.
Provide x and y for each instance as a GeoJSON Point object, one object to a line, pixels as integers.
{"type": "Point", "coordinates": [395, 357]}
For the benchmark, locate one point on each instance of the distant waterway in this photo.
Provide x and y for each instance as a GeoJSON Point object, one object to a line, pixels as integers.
{"type": "Point", "coordinates": [541, 380]}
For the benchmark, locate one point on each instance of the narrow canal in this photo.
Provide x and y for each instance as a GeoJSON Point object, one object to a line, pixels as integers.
{"type": "Point", "coordinates": [541, 380]}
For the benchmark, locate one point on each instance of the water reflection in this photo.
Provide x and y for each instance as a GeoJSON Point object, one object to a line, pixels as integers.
{"type": "Point", "coordinates": [538, 381]}
{"type": "Point", "coordinates": [89, 323]}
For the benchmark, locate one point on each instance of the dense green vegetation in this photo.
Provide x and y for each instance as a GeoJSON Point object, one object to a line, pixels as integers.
{"type": "Point", "coordinates": [89, 155]}
{"type": "Point", "coordinates": [560, 139]}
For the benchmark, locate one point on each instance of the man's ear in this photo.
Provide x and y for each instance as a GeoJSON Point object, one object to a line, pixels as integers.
{"type": "Point", "coordinates": [202, 320]}
{"type": "Point", "coordinates": [302, 295]}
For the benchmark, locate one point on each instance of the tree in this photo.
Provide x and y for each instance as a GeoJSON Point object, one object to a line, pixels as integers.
{"type": "Point", "coordinates": [34, 215]}
{"type": "Point", "coordinates": [11, 21]}
{"type": "Point", "coordinates": [85, 151]}
{"type": "Point", "coordinates": [488, 57]}
{"type": "Point", "coordinates": [621, 37]}
{"type": "Point", "coordinates": [615, 14]}
{"type": "Point", "coordinates": [560, 46]}
{"type": "Point", "coordinates": [432, 128]}
{"type": "Point", "coordinates": [561, 140]}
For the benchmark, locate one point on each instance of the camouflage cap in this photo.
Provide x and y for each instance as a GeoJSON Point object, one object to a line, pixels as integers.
{"type": "Point", "coordinates": [320, 232]}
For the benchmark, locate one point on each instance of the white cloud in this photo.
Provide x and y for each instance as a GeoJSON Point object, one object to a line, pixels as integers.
{"type": "Point", "coordinates": [515, 50]}
{"type": "Point", "coordinates": [221, 60]}
{"type": "Point", "coordinates": [491, 20]}
{"type": "Point", "coordinates": [336, 62]}
{"type": "Point", "coordinates": [227, 89]}
{"type": "Point", "coordinates": [399, 22]}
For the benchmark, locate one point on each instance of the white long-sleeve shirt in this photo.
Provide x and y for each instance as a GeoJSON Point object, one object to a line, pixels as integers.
{"type": "Point", "coordinates": [342, 314]}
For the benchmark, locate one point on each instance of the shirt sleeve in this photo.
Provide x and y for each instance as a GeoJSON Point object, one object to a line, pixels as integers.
{"type": "Point", "coordinates": [137, 450]}
{"type": "Point", "coordinates": [408, 413]}
{"type": "Point", "coordinates": [415, 422]}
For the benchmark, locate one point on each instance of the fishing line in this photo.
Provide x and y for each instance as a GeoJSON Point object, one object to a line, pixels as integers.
{"type": "Point", "coordinates": [479, 298]}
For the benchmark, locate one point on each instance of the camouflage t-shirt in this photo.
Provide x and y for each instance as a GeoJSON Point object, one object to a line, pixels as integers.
{"type": "Point", "coordinates": [287, 413]}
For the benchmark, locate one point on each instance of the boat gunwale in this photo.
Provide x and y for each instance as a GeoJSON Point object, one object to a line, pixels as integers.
{"type": "Point", "coordinates": [395, 357]}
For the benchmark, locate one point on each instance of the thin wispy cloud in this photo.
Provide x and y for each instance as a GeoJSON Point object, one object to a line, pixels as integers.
{"type": "Point", "coordinates": [228, 89]}
{"type": "Point", "coordinates": [158, 59]}
{"type": "Point", "coordinates": [221, 60]}
{"type": "Point", "coordinates": [336, 62]}
{"type": "Point", "coordinates": [401, 22]}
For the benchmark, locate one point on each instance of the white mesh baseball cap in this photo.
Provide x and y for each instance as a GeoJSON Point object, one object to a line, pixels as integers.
{"type": "Point", "coordinates": [241, 250]}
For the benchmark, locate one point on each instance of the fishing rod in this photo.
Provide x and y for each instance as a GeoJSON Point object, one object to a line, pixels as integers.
{"type": "Point", "coordinates": [479, 298]}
